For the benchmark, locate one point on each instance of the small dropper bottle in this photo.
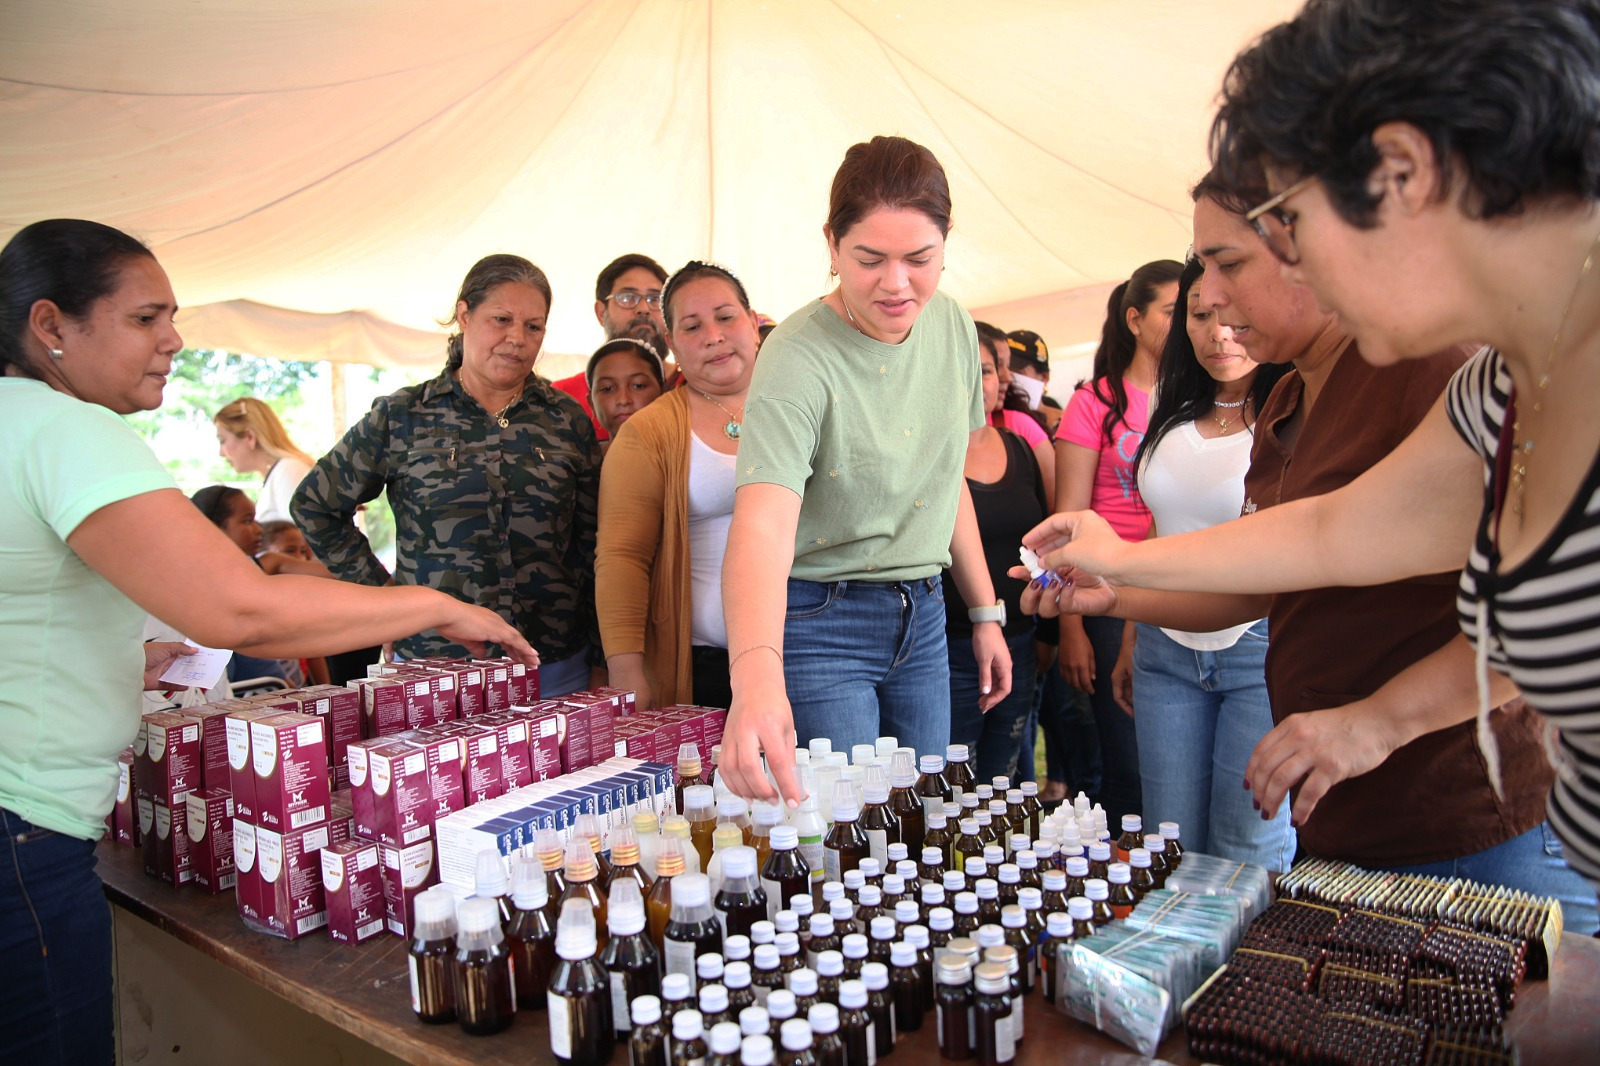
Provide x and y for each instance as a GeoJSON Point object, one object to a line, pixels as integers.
{"type": "Point", "coordinates": [431, 957]}
{"type": "Point", "coordinates": [485, 998]}
{"type": "Point", "coordinates": [579, 996]}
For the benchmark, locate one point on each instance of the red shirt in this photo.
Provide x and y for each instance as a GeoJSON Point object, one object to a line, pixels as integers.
{"type": "Point", "coordinates": [577, 386]}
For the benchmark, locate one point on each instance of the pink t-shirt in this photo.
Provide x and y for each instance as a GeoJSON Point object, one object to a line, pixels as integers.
{"type": "Point", "coordinates": [1022, 424]}
{"type": "Point", "coordinates": [1116, 493]}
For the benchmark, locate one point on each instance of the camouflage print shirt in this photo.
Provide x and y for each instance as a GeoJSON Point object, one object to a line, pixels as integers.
{"type": "Point", "coordinates": [500, 517]}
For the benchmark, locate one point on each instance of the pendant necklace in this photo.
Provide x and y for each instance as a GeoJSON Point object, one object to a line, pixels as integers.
{"type": "Point", "coordinates": [501, 418]}
{"type": "Point", "coordinates": [730, 429]}
{"type": "Point", "coordinates": [1224, 423]}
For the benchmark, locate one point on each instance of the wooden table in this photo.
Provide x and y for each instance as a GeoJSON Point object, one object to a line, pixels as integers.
{"type": "Point", "coordinates": [364, 990]}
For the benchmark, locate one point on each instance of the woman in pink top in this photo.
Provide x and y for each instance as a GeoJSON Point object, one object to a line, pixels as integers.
{"type": "Point", "coordinates": [1095, 445]}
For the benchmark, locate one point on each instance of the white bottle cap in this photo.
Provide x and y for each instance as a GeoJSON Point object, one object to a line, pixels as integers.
{"type": "Point", "coordinates": [736, 974]}
{"type": "Point", "coordinates": [821, 925]}
{"type": "Point", "coordinates": [691, 890]}
{"type": "Point", "coordinates": [1169, 830]}
{"type": "Point", "coordinates": [1096, 889]}
{"type": "Point", "coordinates": [737, 861]}
{"type": "Point", "coordinates": [478, 922]}
{"type": "Point", "coordinates": [1010, 873]}
{"type": "Point", "coordinates": [841, 910]}
{"type": "Point", "coordinates": [731, 807]}
{"type": "Point", "coordinates": [932, 895]}
{"type": "Point", "coordinates": [883, 928]}
{"type": "Point", "coordinates": [987, 888]}
{"type": "Point", "coordinates": [953, 880]}
{"type": "Point", "coordinates": [645, 1010]}
{"type": "Point", "coordinates": [780, 1004]}
{"type": "Point", "coordinates": [955, 753]}
{"type": "Point", "coordinates": [1013, 916]}
{"type": "Point", "coordinates": [1132, 823]}
{"type": "Point", "coordinates": [700, 796]}
{"type": "Point", "coordinates": [766, 957]}
{"type": "Point", "coordinates": [787, 943]}
{"type": "Point", "coordinates": [753, 1021]}
{"type": "Point", "coordinates": [436, 914]}
{"type": "Point", "coordinates": [687, 1024]}
{"type": "Point", "coordinates": [852, 994]}
{"type": "Point", "coordinates": [1139, 857]}
{"type": "Point", "coordinates": [830, 963]}
{"type": "Point", "coordinates": [941, 918]}
{"type": "Point", "coordinates": [875, 975]}
{"type": "Point", "coordinates": [1077, 866]}
{"type": "Point", "coordinates": [796, 1034]}
{"type": "Point", "coordinates": [902, 773]}
{"type": "Point", "coordinates": [886, 745]}
{"type": "Point", "coordinates": [528, 889]}
{"type": "Point", "coordinates": [905, 911]}
{"type": "Point", "coordinates": [869, 896]}
{"type": "Point", "coordinates": [991, 936]}
{"type": "Point", "coordinates": [855, 946]}
{"type": "Point", "coordinates": [713, 999]}
{"type": "Point", "coordinates": [824, 1018]}
{"type": "Point", "coordinates": [931, 764]}
{"type": "Point", "coordinates": [871, 868]}
{"type": "Point", "coordinates": [976, 867]}
{"type": "Point", "coordinates": [784, 838]}
{"type": "Point", "coordinates": [762, 932]}
{"type": "Point", "coordinates": [786, 921]}
{"type": "Point", "coordinates": [1055, 880]}
{"type": "Point", "coordinates": [893, 884]}
{"type": "Point", "coordinates": [802, 904]}
{"type": "Point", "coordinates": [724, 1038]}
{"type": "Point", "coordinates": [625, 907]}
{"type": "Point", "coordinates": [994, 854]}
{"type": "Point", "coordinates": [902, 953]}
{"type": "Point", "coordinates": [1030, 898]}
{"type": "Point", "coordinates": [862, 754]}
{"type": "Point", "coordinates": [1119, 873]}
{"type": "Point", "coordinates": [575, 930]}
{"type": "Point", "coordinates": [820, 748]}
{"type": "Point", "coordinates": [854, 879]}
{"type": "Point", "coordinates": [966, 903]}
{"type": "Point", "coordinates": [1079, 909]}
{"type": "Point", "coordinates": [917, 936]}
{"type": "Point", "coordinates": [756, 1051]}
{"type": "Point", "coordinates": [490, 874]}
{"type": "Point", "coordinates": [736, 946]}
{"type": "Point", "coordinates": [675, 986]}
{"type": "Point", "coordinates": [845, 807]}
{"type": "Point", "coordinates": [709, 967]}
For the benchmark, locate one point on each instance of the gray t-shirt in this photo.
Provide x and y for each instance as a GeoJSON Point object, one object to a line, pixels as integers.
{"type": "Point", "coordinates": [871, 436]}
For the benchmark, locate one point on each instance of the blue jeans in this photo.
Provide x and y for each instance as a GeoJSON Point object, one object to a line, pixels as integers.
{"type": "Point", "coordinates": [55, 948]}
{"type": "Point", "coordinates": [1071, 739]}
{"type": "Point", "coordinates": [864, 659]}
{"type": "Point", "coordinates": [565, 676]}
{"type": "Point", "coordinates": [996, 738]}
{"type": "Point", "coordinates": [1532, 862]}
{"type": "Point", "coordinates": [1119, 744]}
{"type": "Point", "coordinates": [1199, 715]}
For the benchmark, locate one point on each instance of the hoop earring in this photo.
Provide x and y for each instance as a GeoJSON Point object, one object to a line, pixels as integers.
{"type": "Point", "coordinates": [56, 353]}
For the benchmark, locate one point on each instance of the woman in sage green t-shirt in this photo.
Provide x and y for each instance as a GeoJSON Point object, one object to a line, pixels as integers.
{"type": "Point", "coordinates": [851, 500]}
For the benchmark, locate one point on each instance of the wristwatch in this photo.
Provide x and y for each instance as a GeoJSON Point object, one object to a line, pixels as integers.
{"type": "Point", "coordinates": [996, 613]}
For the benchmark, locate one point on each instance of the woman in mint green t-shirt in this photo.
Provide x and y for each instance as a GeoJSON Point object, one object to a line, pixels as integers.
{"type": "Point", "coordinates": [850, 500]}
{"type": "Point", "coordinates": [96, 536]}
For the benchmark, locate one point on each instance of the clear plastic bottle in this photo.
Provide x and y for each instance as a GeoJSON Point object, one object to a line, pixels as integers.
{"type": "Point", "coordinates": [647, 831]}
{"type": "Point", "coordinates": [731, 810]}
{"type": "Point", "coordinates": [740, 902]}
{"type": "Point", "coordinates": [846, 844]}
{"type": "Point", "coordinates": [431, 957]}
{"type": "Point", "coordinates": [692, 929]}
{"type": "Point", "coordinates": [530, 936]}
{"type": "Point", "coordinates": [485, 992]}
{"type": "Point", "coordinates": [689, 774]}
{"type": "Point", "coordinates": [647, 1044]}
{"type": "Point", "coordinates": [631, 961]}
{"type": "Point", "coordinates": [700, 811]}
{"type": "Point", "coordinates": [579, 996]}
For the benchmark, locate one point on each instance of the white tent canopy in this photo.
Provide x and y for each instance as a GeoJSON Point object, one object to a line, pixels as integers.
{"type": "Point", "coordinates": [317, 175]}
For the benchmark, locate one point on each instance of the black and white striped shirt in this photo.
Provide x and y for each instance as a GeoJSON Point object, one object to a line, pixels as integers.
{"type": "Point", "coordinates": [1544, 614]}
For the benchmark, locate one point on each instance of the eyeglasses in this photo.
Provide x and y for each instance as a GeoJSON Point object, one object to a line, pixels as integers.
{"type": "Point", "coordinates": [627, 299]}
{"type": "Point", "coordinates": [1276, 226]}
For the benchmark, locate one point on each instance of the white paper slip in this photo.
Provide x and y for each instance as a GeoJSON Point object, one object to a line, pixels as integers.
{"type": "Point", "coordinates": [203, 669]}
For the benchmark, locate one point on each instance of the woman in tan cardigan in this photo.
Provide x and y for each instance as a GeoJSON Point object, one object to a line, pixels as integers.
{"type": "Point", "coordinates": [666, 498]}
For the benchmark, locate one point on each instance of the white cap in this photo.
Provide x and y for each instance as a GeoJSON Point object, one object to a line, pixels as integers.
{"type": "Point", "coordinates": [676, 986]}
{"type": "Point", "coordinates": [731, 807]}
{"type": "Point", "coordinates": [869, 896]}
{"type": "Point", "coordinates": [966, 903]}
{"type": "Point", "coordinates": [713, 998]}
{"type": "Point", "coordinates": [738, 861]}
{"type": "Point", "coordinates": [1010, 873]}
{"type": "Point", "coordinates": [862, 754]}
{"type": "Point", "coordinates": [1012, 916]}
{"type": "Point", "coordinates": [941, 918]}
{"type": "Point", "coordinates": [780, 1004]}
{"type": "Point", "coordinates": [766, 956]}
{"type": "Point", "coordinates": [1000, 783]}
{"type": "Point", "coordinates": [841, 910]}
{"type": "Point", "coordinates": [898, 852]}
{"type": "Point", "coordinates": [953, 880]}
{"type": "Point", "coordinates": [575, 930]}
{"type": "Point", "coordinates": [1132, 823]}
{"type": "Point", "coordinates": [1059, 923]}
{"type": "Point", "coordinates": [528, 889]}
{"type": "Point", "coordinates": [687, 1024]}
{"type": "Point", "coordinates": [736, 946]}
{"type": "Point", "coordinates": [820, 747]}
{"type": "Point", "coordinates": [903, 953]}
{"type": "Point", "coordinates": [700, 796]}
{"type": "Point", "coordinates": [478, 924]}
{"type": "Point", "coordinates": [885, 746]}
{"type": "Point", "coordinates": [1169, 830]}
{"type": "Point", "coordinates": [803, 982]}
{"type": "Point", "coordinates": [691, 890]}
{"type": "Point", "coordinates": [786, 942]}
{"type": "Point", "coordinates": [490, 874]}
{"type": "Point", "coordinates": [932, 856]}
{"type": "Point", "coordinates": [724, 1037]}
{"type": "Point", "coordinates": [987, 888]}
{"type": "Point", "coordinates": [931, 764]}
{"type": "Point", "coordinates": [1018, 842]}
{"type": "Point", "coordinates": [756, 1050]}
{"type": "Point", "coordinates": [1139, 857]}
{"type": "Point", "coordinates": [1120, 873]}
{"type": "Point", "coordinates": [1154, 842]}
{"type": "Point", "coordinates": [854, 879]}
{"type": "Point", "coordinates": [1055, 880]}
{"type": "Point", "coordinates": [852, 994]}
{"type": "Point", "coordinates": [1095, 888]}
{"type": "Point", "coordinates": [762, 932]}
{"type": "Point", "coordinates": [824, 1018]}
{"type": "Point", "coordinates": [1077, 866]}
{"type": "Point", "coordinates": [1100, 850]}
{"type": "Point", "coordinates": [893, 884]}
{"type": "Point", "coordinates": [1031, 898]}
{"type": "Point", "coordinates": [955, 753]}
{"type": "Point", "coordinates": [736, 974]}
{"type": "Point", "coordinates": [645, 1010]}
{"type": "Point", "coordinates": [905, 911]}
{"type": "Point", "coordinates": [436, 914]}
{"type": "Point", "coordinates": [832, 890]}
{"type": "Point", "coordinates": [871, 868]}
{"type": "Point", "coordinates": [906, 870]}
{"type": "Point", "coordinates": [802, 904]}
{"type": "Point", "coordinates": [708, 967]}
{"type": "Point", "coordinates": [830, 963]}
{"type": "Point", "coordinates": [917, 936]}
{"type": "Point", "coordinates": [625, 907]}
{"type": "Point", "coordinates": [754, 1021]}
{"type": "Point", "coordinates": [1079, 909]}
{"type": "Point", "coordinates": [855, 946]}
{"type": "Point", "coordinates": [874, 975]}
{"type": "Point", "coordinates": [821, 924]}
{"type": "Point", "coordinates": [786, 921]}
{"type": "Point", "coordinates": [1030, 789]}
{"type": "Point", "coordinates": [783, 838]}
{"type": "Point", "coordinates": [994, 854]}
{"type": "Point", "coordinates": [795, 1034]}
{"type": "Point", "coordinates": [902, 773]}
{"type": "Point", "coordinates": [883, 928]}
{"type": "Point", "coordinates": [990, 936]}
{"type": "Point", "coordinates": [845, 807]}
{"type": "Point", "coordinates": [976, 867]}
{"type": "Point", "coordinates": [932, 895]}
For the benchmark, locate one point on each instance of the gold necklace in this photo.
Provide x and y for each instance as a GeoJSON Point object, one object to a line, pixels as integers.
{"type": "Point", "coordinates": [730, 428]}
{"type": "Point", "coordinates": [500, 416]}
{"type": "Point", "coordinates": [850, 316]}
{"type": "Point", "coordinates": [1521, 451]}
{"type": "Point", "coordinates": [1223, 423]}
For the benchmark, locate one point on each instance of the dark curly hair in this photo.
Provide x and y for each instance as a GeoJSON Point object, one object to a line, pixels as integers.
{"type": "Point", "coordinates": [694, 270]}
{"type": "Point", "coordinates": [1507, 92]}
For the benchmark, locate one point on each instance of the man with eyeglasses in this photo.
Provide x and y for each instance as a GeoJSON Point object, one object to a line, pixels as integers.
{"type": "Point", "coordinates": [627, 303]}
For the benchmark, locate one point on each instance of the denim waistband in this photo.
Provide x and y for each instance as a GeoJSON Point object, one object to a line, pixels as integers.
{"type": "Point", "coordinates": [919, 585]}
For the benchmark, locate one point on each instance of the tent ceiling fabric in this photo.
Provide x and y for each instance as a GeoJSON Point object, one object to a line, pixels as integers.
{"type": "Point", "coordinates": [352, 158]}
